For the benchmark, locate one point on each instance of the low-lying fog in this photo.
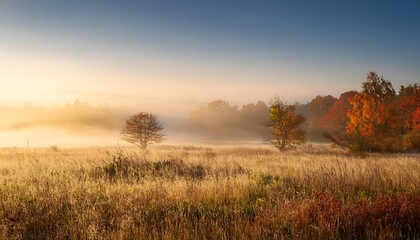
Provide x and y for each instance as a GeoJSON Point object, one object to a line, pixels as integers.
{"type": "Point", "coordinates": [80, 124]}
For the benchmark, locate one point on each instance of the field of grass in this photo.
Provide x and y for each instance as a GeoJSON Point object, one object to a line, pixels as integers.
{"type": "Point", "coordinates": [218, 192]}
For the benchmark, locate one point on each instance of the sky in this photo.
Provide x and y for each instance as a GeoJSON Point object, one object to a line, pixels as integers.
{"type": "Point", "coordinates": [197, 51]}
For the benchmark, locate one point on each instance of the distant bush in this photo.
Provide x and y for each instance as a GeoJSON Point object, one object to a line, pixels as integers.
{"type": "Point", "coordinates": [123, 167]}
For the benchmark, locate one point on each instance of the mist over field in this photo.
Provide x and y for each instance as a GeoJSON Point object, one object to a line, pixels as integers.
{"type": "Point", "coordinates": [72, 124]}
{"type": "Point", "coordinates": [78, 124]}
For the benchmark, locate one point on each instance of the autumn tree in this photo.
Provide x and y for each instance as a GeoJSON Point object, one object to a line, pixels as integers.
{"type": "Point", "coordinates": [335, 120]}
{"type": "Point", "coordinates": [408, 103]}
{"type": "Point", "coordinates": [143, 129]}
{"type": "Point", "coordinates": [416, 120]}
{"type": "Point", "coordinates": [372, 116]}
{"type": "Point", "coordinates": [284, 125]}
{"type": "Point", "coordinates": [409, 116]}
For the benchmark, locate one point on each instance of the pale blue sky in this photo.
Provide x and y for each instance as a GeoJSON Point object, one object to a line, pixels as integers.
{"type": "Point", "coordinates": [240, 51]}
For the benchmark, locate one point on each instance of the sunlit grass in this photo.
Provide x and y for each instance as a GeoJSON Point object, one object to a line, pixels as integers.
{"type": "Point", "coordinates": [190, 192]}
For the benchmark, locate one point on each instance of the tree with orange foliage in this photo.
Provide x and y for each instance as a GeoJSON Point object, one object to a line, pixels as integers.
{"type": "Point", "coordinates": [416, 120]}
{"type": "Point", "coordinates": [409, 116]}
{"type": "Point", "coordinates": [336, 119]}
{"type": "Point", "coordinates": [408, 103]}
{"type": "Point", "coordinates": [372, 116]}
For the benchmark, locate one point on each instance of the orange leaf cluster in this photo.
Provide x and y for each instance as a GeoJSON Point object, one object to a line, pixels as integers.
{"type": "Point", "coordinates": [383, 120]}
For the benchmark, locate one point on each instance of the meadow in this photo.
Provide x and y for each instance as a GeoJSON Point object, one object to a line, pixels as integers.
{"type": "Point", "coordinates": [208, 192]}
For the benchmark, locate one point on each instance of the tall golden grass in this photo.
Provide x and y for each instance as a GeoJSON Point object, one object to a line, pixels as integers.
{"type": "Point", "coordinates": [204, 192]}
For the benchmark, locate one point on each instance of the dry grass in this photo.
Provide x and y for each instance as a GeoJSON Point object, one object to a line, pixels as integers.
{"type": "Point", "coordinates": [193, 192]}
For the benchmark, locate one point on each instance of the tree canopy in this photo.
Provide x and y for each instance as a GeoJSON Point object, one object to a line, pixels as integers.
{"type": "Point", "coordinates": [142, 129]}
{"type": "Point", "coordinates": [382, 121]}
{"type": "Point", "coordinates": [284, 125]}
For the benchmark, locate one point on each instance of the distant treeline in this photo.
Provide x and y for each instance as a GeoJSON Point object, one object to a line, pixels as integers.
{"type": "Point", "coordinates": [323, 114]}
{"type": "Point", "coordinates": [220, 118]}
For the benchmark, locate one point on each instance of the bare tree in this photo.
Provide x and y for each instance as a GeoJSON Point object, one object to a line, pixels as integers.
{"type": "Point", "coordinates": [284, 124]}
{"type": "Point", "coordinates": [142, 129]}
